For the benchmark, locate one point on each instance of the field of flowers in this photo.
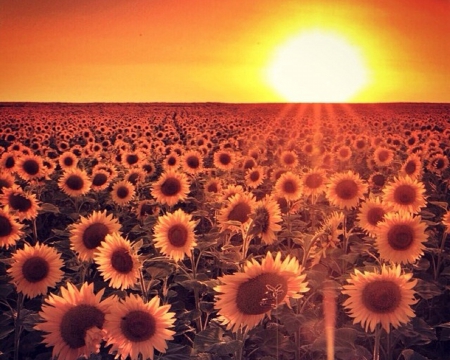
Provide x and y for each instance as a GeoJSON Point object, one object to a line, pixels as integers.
{"type": "Point", "coordinates": [223, 231]}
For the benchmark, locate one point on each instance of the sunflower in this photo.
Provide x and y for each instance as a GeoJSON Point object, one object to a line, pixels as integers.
{"type": "Point", "coordinates": [370, 214]}
{"type": "Point", "coordinates": [438, 163]}
{"type": "Point", "coordinates": [380, 298]}
{"type": "Point", "coordinates": [122, 192]}
{"type": "Point", "coordinates": [224, 159]}
{"type": "Point", "coordinates": [10, 229]}
{"type": "Point", "coordinates": [213, 187]}
{"type": "Point", "coordinates": [135, 176]}
{"type": "Point", "coordinates": [405, 193]}
{"type": "Point", "coordinates": [171, 161]}
{"type": "Point", "coordinates": [8, 162]}
{"type": "Point", "coordinates": [21, 204]}
{"type": "Point", "coordinates": [35, 269]}
{"type": "Point", "coordinates": [314, 182]}
{"type": "Point", "coordinates": [288, 186]}
{"type": "Point", "coordinates": [246, 297]}
{"type": "Point", "coordinates": [145, 208]}
{"type": "Point", "coordinates": [230, 191]}
{"type": "Point", "coordinates": [383, 156]}
{"type": "Point", "coordinates": [400, 237]}
{"type": "Point", "coordinates": [117, 261]}
{"type": "Point", "coordinates": [288, 159]}
{"type": "Point", "coordinates": [74, 182]}
{"type": "Point", "coordinates": [346, 189]}
{"type": "Point", "coordinates": [170, 188]}
{"type": "Point", "coordinates": [136, 328]}
{"type": "Point", "coordinates": [73, 322]}
{"type": "Point", "coordinates": [254, 177]}
{"type": "Point", "coordinates": [267, 216]}
{"type": "Point", "coordinates": [238, 208]}
{"type": "Point", "coordinates": [6, 181]}
{"type": "Point", "coordinates": [132, 158]}
{"type": "Point", "coordinates": [30, 167]}
{"type": "Point", "coordinates": [89, 232]}
{"type": "Point", "coordinates": [174, 234]}
{"type": "Point", "coordinates": [192, 162]}
{"type": "Point", "coordinates": [68, 160]}
{"type": "Point", "coordinates": [100, 180]}
{"type": "Point", "coordinates": [344, 153]}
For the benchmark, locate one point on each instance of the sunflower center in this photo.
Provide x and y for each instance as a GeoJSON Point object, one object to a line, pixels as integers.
{"type": "Point", "coordinates": [313, 181]}
{"type": "Point", "coordinates": [31, 167]}
{"type": "Point", "coordinates": [171, 161]}
{"type": "Point", "coordinates": [133, 178]}
{"type": "Point", "coordinates": [10, 162]}
{"type": "Point", "coordinates": [193, 162]}
{"type": "Point", "coordinates": [5, 226]}
{"type": "Point", "coordinates": [74, 182]}
{"type": "Point", "coordinates": [146, 209]}
{"type": "Point", "coordinates": [122, 192]}
{"type": "Point", "coordinates": [404, 194]}
{"type": "Point", "coordinates": [410, 167]}
{"type": "Point", "coordinates": [375, 215]}
{"type": "Point", "coordinates": [132, 159]}
{"type": "Point", "coordinates": [138, 326]}
{"type": "Point", "coordinates": [240, 212]}
{"type": "Point", "coordinates": [99, 179]}
{"type": "Point", "coordinates": [122, 261]}
{"type": "Point", "coordinates": [289, 186]}
{"type": "Point", "coordinates": [35, 269]}
{"type": "Point", "coordinates": [76, 321]}
{"type": "Point", "coordinates": [68, 161]}
{"type": "Point", "coordinates": [177, 235]}
{"type": "Point", "coordinates": [261, 293]}
{"type": "Point", "coordinates": [4, 184]}
{"type": "Point", "coordinates": [224, 159]}
{"type": "Point", "coordinates": [254, 176]}
{"type": "Point", "coordinates": [381, 296]}
{"type": "Point", "coordinates": [346, 189]}
{"type": "Point", "coordinates": [212, 188]}
{"type": "Point", "coordinates": [94, 234]}
{"type": "Point", "coordinates": [289, 159]}
{"type": "Point", "coordinates": [400, 237]}
{"type": "Point", "coordinates": [19, 202]}
{"type": "Point", "coordinates": [171, 186]}
{"type": "Point", "coordinates": [378, 180]}
{"type": "Point", "coordinates": [249, 164]}
{"type": "Point", "coordinates": [439, 164]}
{"type": "Point", "coordinates": [383, 155]}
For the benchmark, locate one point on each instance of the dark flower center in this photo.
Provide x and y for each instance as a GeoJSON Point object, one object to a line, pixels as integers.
{"type": "Point", "coordinates": [439, 164]}
{"type": "Point", "coordinates": [10, 162]}
{"type": "Point", "coordinates": [68, 161]}
{"type": "Point", "coordinates": [193, 162]}
{"type": "Point", "coordinates": [346, 189]}
{"type": "Point", "coordinates": [343, 153]}
{"type": "Point", "coordinates": [240, 212]}
{"type": "Point", "coordinates": [249, 164]}
{"type": "Point", "coordinates": [35, 269]}
{"type": "Point", "coordinates": [410, 167]}
{"type": "Point", "coordinates": [405, 194]}
{"type": "Point", "coordinates": [133, 178]}
{"type": "Point", "coordinates": [262, 219]}
{"type": "Point", "coordinates": [19, 202]}
{"type": "Point", "coordinates": [381, 296]}
{"type": "Point", "coordinates": [138, 326]}
{"type": "Point", "coordinates": [146, 209]}
{"type": "Point", "coordinates": [313, 181]}
{"type": "Point", "coordinates": [177, 235]}
{"type": "Point", "coordinates": [94, 234]}
{"type": "Point", "coordinates": [261, 293]}
{"type": "Point", "coordinates": [75, 182]}
{"type": "Point", "coordinates": [5, 226]}
{"type": "Point", "coordinates": [375, 215]}
{"type": "Point", "coordinates": [383, 155]}
{"type": "Point", "coordinates": [30, 166]}
{"type": "Point", "coordinates": [76, 321]}
{"type": "Point", "coordinates": [379, 180]}
{"type": "Point", "coordinates": [132, 159]}
{"type": "Point", "coordinates": [171, 161]}
{"type": "Point", "coordinates": [212, 187]}
{"type": "Point", "coordinates": [289, 159]}
{"type": "Point", "coordinates": [99, 179]}
{"type": "Point", "coordinates": [289, 186]}
{"type": "Point", "coordinates": [254, 176]}
{"type": "Point", "coordinates": [122, 261]}
{"type": "Point", "coordinates": [224, 158]}
{"type": "Point", "coordinates": [171, 186]}
{"type": "Point", "coordinates": [4, 184]}
{"type": "Point", "coordinates": [122, 192]}
{"type": "Point", "coordinates": [400, 236]}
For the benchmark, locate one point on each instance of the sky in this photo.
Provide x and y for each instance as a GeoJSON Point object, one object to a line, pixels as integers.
{"type": "Point", "coordinates": [225, 51]}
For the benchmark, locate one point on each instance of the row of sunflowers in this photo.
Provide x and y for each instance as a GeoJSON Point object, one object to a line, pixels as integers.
{"type": "Point", "coordinates": [224, 232]}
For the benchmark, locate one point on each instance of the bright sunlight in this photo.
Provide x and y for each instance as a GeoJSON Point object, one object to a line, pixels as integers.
{"type": "Point", "coordinates": [317, 67]}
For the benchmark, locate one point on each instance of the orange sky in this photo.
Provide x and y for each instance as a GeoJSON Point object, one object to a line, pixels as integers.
{"type": "Point", "coordinates": [204, 50]}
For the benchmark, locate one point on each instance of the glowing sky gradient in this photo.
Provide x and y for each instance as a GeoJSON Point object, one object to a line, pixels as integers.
{"type": "Point", "coordinates": [203, 50]}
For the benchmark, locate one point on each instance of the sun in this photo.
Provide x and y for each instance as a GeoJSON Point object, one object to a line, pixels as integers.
{"type": "Point", "coordinates": [317, 66]}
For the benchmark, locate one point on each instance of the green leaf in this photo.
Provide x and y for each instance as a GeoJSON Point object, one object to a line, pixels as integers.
{"type": "Point", "coordinates": [427, 290]}
{"type": "Point", "coordinates": [410, 354]}
{"type": "Point", "coordinates": [204, 339]}
{"type": "Point", "coordinates": [49, 208]}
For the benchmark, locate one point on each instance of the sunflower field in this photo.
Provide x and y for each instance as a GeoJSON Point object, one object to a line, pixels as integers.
{"type": "Point", "coordinates": [224, 231]}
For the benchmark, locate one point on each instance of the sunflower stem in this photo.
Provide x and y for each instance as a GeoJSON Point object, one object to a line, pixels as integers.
{"type": "Point", "coordinates": [198, 321]}
{"type": "Point", "coordinates": [439, 257]}
{"type": "Point", "coordinates": [376, 347]}
{"type": "Point", "coordinates": [143, 287]}
{"type": "Point", "coordinates": [17, 326]}
{"type": "Point", "coordinates": [35, 237]}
